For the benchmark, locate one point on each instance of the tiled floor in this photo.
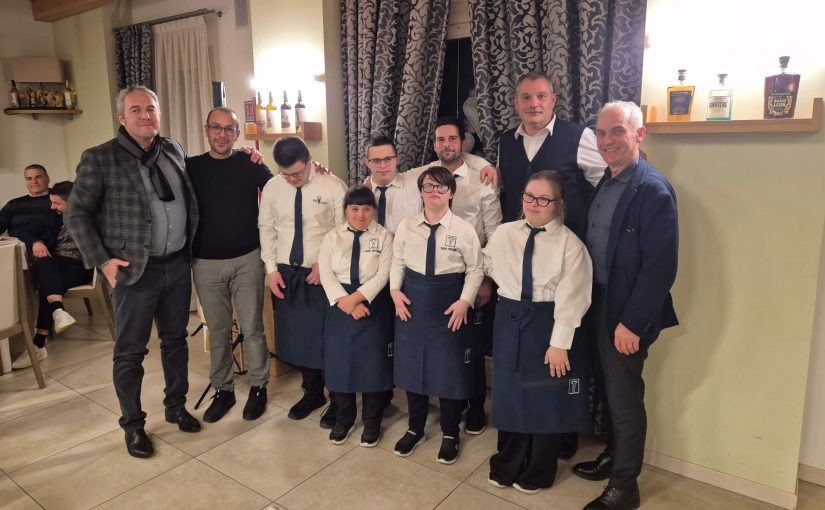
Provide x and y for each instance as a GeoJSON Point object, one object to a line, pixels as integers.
{"type": "Point", "coordinates": [61, 448]}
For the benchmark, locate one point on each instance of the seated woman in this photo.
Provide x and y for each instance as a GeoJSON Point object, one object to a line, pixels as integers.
{"type": "Point", "coordinates": [436, 272]}
{"type": "Point", "coordinates": [354, 266]}
{"type": "Point", "coordinates": [57, 269]}
{"type": "Point", "coordinates": [539, 391]}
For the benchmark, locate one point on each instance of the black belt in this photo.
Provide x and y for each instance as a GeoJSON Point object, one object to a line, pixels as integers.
{"type": "Point", "coordinates": [162, 259]}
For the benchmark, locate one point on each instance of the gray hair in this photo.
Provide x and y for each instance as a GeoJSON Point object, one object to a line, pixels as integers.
{"type": "Point", "coordinates": [634, 113]}
{"type": "Point", "coordinates": [121, 96]}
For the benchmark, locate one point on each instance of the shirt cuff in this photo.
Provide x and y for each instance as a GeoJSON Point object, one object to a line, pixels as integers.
{"type": "Point", "coordinates": [562, 336]}
{"type": "Point", "coordinates": [271, 267]}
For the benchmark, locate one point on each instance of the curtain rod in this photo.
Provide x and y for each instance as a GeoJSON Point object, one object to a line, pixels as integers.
{"type": "Point", "coordinates": [192, 14]}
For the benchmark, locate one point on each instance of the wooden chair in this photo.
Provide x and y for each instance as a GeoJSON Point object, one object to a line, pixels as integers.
{"type": "Point", "coordinates": [14, 317]}
{"type": "Point", "coordinates": [97, 291]}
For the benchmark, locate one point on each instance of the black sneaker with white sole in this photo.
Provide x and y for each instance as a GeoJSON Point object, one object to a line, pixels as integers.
{"type": "Point", "coordinates": [371, 435]}
{"type": "Point", "coordinates": [409, 442]}
{"type": "Point", "coordinates": [448, 453]}
{"type": "Point", "coordinates": [340, 433]}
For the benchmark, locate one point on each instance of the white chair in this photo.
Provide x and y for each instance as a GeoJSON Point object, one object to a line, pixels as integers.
{"type": "Point", "coordinates": [14, 317]}
{"type": "Point", "coordinates": [97, 290]}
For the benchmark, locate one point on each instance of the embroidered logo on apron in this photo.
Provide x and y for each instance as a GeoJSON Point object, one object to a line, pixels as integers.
{"type": "Point", "coordinates": [467, 356]}
{"type": "Point", "coordinates": [573, 387]}
{"type": "Point", "coordinates": [478, 317]}
{"type": "Point", "coordinates": [389, 350]}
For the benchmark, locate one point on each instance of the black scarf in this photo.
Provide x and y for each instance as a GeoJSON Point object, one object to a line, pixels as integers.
{"type": "Point", "coordinates": [149, 159]}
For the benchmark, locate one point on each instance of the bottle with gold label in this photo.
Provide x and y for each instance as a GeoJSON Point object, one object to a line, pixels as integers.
{"type": "Point", "coordinates": [720, 101]}
{"type": "Point", "coordinates": [680, 100]}
{"type": "Point", "coordinates": [780, 92]}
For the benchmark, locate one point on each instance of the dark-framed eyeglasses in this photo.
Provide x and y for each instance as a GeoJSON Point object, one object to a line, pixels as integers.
{"type": "Point", "coordinates": [540, 201]}
{"type": "Point", "coordinates": [215, 129]}
{"type": "Point", "coordinates": [429, 188]}
{"type": "Point", "coordinates": [381, 161]}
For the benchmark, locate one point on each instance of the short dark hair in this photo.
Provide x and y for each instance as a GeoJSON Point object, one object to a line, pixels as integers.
{"type": "Point", "coordinates": [225, 110]}
{"type": "Point", "coordinates": [449, 121]}
{"type": "Point", "coordinates": [440, 175]}
{"type": "Point", "coordinates": [37, 166]}
{"type": "Point", "coordinates": [377, 141]}
{"type": "Point", "coordinates": [359, 195]}
{"type": "Point", "coordinates": [535, 75]}
{"type": "Point", "coordinates": [62, 189]}
{"type": "Point", "coordinates": [288, 150]}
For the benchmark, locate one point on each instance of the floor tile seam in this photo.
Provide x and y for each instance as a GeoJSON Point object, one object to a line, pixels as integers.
{"type": "Point", "coordinates": [310, 477]}
{"type": "Point", "coordinates": [255, 426]}
{"type": "Point", "coordinates": [89, 329]}
{"type": "Point", "coordinates": [36, 502]}
{"type": "Point", "coordinates": [221, 473]}
{"type": "Point", "coordinates": [77, 394]}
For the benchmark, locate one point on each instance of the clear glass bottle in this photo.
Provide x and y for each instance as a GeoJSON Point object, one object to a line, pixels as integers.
{"type": "Point", "coordinates": [720, 101]}
{"type": "Point", "coordinates": [68, 97]}
{"type": "Point", "coordinates": [14, 95]}
{"type": "Point", "coordinates": [680, 100]}
{"type": "Point", "coordinates": [780, 92]}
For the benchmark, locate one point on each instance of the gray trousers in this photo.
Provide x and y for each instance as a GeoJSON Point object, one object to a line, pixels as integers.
{"type": "Point", "coordinates": [220, 284]}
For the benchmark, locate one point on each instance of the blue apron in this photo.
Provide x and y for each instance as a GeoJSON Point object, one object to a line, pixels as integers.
{"type": "Point", "coordinates": [299, 321]}
{"type": "Point", "coordinates": [525, 398]}
{"type": "Point", "coordinates": [359, 352]}
{"type": "Point", "coordinates": [430, 359]}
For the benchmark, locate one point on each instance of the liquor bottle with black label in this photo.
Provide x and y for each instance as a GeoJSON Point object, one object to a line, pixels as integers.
{"type": "Point", "coordinates": [680, 100]}
{"type": "Point", "coordinates": [14, 95]}
{"type": "Point", "coordinates": [780, 92]}
{"type": "Point", "coordinates": [287, 122]}
{"type": "Point", "coordinates": [720, 101]}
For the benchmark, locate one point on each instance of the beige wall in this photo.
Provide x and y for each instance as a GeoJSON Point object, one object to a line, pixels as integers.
{"type": "Point", "coordinates": [726, 390]}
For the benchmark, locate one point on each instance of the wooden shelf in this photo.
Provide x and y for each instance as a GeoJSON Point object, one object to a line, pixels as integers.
{"type": "Point", "coordinates": [34, 112]}
{"type": "Point", "coordinates": [806, 125]}
{"type": "Point", "coordinates": [312, 133]}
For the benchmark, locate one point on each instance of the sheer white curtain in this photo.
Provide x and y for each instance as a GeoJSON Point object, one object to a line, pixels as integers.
{"type": "Point", "coordinates": [182, 79]}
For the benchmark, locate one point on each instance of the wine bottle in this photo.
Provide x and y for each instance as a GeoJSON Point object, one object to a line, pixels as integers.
{"type": "Point", "coordinates": [271, 116]}
{"type": "Point", "coordinates": [260, 115]}
{"type": "Point", "coordinates": [300, 114]}
{"type": "Point", "coordinates": [14, 95]}
{"type": "Point", "coordinates": [286, 115]}
{"type": "Point", "coordinates": [68, 97]}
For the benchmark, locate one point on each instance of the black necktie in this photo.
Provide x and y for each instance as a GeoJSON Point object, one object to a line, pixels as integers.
{"type": "Point", "coordinates": [430, 267]}
{"type": "Point", "coordinates": [527, 265]}
{"type": "Point", "coordinates": [382, 206]}
{"type": "Point", "coordinates": [356, 258]}
{"type": "Point", "coordinates": [296, 255]}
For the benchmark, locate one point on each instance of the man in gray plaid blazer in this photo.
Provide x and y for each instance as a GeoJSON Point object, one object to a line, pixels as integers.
{"type": "Point", "coordinates": [133, 214]}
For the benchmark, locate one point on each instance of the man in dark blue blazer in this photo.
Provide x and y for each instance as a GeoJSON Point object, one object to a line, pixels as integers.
{"type": "Point", "coordinates": [632, 233]}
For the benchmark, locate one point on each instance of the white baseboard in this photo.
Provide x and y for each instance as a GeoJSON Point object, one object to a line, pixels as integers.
{"type": "Point", "coordinates": [812, 474]}
{"type": "Point", "coordinates": [723, 480]}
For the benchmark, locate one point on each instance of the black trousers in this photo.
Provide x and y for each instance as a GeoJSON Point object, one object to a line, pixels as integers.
{"type": "Point", "coordinates": [624, 388]}
{"type": "Point", "coordinates": [56, 275]}
{"type": "Point", "coordinates": [372, 407]}
{"type": "Point", "coordinates": [418, 407]}
{"type": "Point", "coordinates": [162, 294]}
{"type": "Point", "coordinates": [531, 459]}
{"type": "Point", "coordinates": [312, 380]}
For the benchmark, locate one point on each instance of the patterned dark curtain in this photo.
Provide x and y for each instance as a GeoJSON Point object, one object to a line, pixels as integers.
{"type": "Point", "coordinates": [592, 50]}
{"type": "Point", "coordinates": [133, 56]}
{"type": "Point", "coordinates": [393, 57]}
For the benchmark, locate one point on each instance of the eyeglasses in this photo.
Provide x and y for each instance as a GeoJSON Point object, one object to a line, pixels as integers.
{"type": "Point", "coordinates": [294, 175]}
{"type": "Point", "coordinates": [541, 201]}
{"type": "Point", "coordinates": [429, 188]}
{"type": "Point", "coordinates": [380, 161]}
{"type": "Point", "coordinates": [215, 129]}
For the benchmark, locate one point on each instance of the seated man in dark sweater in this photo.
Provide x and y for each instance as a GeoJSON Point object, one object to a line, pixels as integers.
{"type": "Point", "coordinates": [30, 217]}
{"type": "Point", "coordinates": [227, 264]}
{"type": "Point", "coordinates": [57, 268]}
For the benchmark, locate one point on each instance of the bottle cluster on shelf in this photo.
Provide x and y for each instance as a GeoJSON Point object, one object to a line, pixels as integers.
{"type": "Point", "coordinates": [266, 118]}
{"type": "Point", "coordinates": [42, 97]}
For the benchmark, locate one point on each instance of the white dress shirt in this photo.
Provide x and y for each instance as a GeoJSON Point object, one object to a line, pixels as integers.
{"type": "Point", "coordinates": [403, 197]}
{"type": "Point", "coordinates": [457, 250]}
{"type": "Point", "coordinates": [335, 257]}
{"type": "Point", "coordinates": [322, 208]}
{"type": "Point", "coordinates": [587, 157]}
{"type": "Point", "coordinates": [474, 201]}
{"type": "Point", "coordinates": [562, 272]}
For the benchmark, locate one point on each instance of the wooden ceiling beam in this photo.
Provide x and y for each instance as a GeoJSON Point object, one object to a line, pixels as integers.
{"type": "Point", "coordinates": [53, 10]}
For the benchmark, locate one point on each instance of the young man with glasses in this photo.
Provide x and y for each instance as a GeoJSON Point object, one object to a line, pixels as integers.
{"type": "Point", "coordinates": [227, 265]}
{"type": "Point", "coordinates": [395, 193]}
{"type": "Point", "coordinates": [298, 208]}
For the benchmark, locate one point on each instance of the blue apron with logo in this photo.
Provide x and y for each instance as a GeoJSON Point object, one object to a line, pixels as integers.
{"type": "Point", "coordinates": [359, 352]}
{"type": "Point", "coordinates": [299, 320]}
{"type": "Point", "coordinates": [526, 399]}
{"type": "Point", "coordinates": [431, 359]}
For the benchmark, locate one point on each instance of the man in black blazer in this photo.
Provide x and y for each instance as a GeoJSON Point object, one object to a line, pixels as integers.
{"type": "Point", "coordinates": [133, 214]}
{"type": "Point", "coordinates": [632, 233]}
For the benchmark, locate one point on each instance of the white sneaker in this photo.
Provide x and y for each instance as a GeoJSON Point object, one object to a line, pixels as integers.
{"type": "Point", "coordinates": [62, 320]}
{"type": "Point", "coordinates": [23, 361]}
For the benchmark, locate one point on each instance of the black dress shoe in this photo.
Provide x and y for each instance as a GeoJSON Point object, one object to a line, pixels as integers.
{"type": "Point", "coordinates": [569, 445]}
{"type": "Point", "coordinates": [138, 444]}
{"type": "Point", "coordinates": [222, 402]}
{"type": "Point", "coordinates": [255, 404]}
{"type": "Point", "coordinates": [186, 422]}
{"type": "Point", "coordinates": [306, 405]}
{"type": "Point", "coordinates": [616, 499]}
{"type": "Point", "coordinates": [595, 470]}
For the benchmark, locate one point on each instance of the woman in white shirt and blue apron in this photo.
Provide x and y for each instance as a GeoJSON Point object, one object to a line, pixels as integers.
{"type": "Point", "coordinates": [544, 276]}
{"type": "Point", "coordinates": [436, 272]}
{"type": "Point", "coordinates": [354, 265]}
